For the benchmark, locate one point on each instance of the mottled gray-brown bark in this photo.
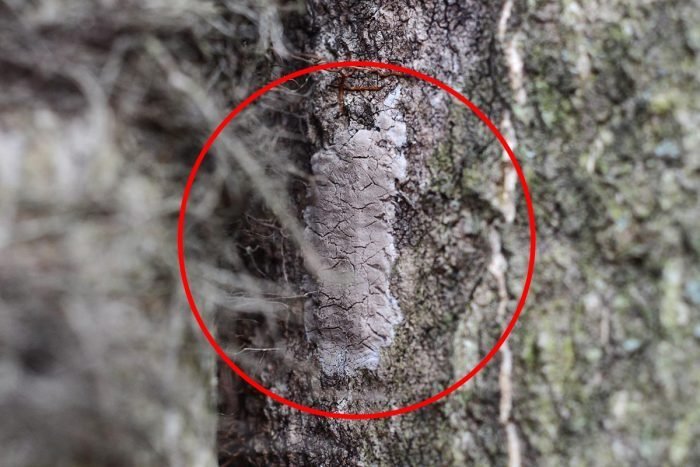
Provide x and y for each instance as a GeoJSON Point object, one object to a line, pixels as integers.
{"type": "Point", "coordinates": [426, 295]}
{"type": "Point", "coordinates": [600, 103]}
{"type": "Point", "coordinates": [415, 214]}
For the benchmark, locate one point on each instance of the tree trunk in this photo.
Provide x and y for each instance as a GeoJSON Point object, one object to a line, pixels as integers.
{"type": "Point", "coordinates": [417, 222]}
{"type": "Point", "coordinates": [416, 212]}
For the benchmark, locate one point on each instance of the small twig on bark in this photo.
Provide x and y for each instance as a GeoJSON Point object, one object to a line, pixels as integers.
{"type": "Point", "coordinates": [343, 88]}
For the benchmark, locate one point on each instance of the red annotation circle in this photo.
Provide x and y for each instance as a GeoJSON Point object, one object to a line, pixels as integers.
{"type": "Point", "coordinates": [181, 239]}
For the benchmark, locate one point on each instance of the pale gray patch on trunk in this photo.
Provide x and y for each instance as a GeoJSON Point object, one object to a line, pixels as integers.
{"type": "Point", "coordinates": [353, 313]}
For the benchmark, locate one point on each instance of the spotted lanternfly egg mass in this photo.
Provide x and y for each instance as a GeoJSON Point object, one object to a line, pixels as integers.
{"type": "Point", "coordinates": [352, 314]}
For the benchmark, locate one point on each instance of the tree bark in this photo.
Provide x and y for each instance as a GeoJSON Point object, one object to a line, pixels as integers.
{"type": "Point", "coordinates": [412, 198]}
{"type": "Point", "coordinates": [412, 207]}
{"type": "Point", "coordinates": [415, 199]}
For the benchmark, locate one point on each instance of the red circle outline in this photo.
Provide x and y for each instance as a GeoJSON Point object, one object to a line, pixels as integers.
{"type": "Point", "coordinates": [181, 241]}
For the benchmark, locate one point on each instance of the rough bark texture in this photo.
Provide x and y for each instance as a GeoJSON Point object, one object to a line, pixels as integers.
{"type": "Point", "coordinates": [606, 112]}
{"type": "Point", "coordinates": [600, 102]}
{"type": "Point", "coordinates": [104, 106]}
{"type": "Point", "coordinates": [421, 244]}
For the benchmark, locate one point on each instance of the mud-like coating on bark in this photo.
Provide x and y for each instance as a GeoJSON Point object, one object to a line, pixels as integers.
{"type": "Point", "coordinates": [352, 314]}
